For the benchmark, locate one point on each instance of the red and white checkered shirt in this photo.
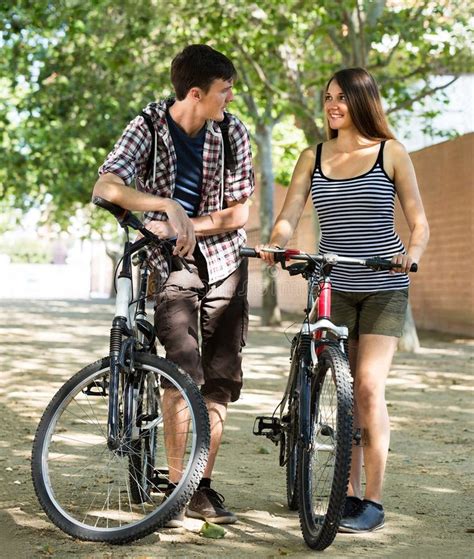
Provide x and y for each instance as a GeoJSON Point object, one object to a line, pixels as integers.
{"type": "Point", "coordinates": [128, 160]}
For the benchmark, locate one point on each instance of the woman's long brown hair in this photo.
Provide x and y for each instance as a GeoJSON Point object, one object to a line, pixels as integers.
{"type": "Point", "coordinates": [364, 104]}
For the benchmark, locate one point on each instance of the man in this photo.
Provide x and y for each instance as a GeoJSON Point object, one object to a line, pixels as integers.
{"type": "Point", "coordinates": [194, 196]}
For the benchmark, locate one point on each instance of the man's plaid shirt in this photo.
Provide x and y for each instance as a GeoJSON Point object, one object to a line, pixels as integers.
{"type": "Point", "coordinates": [128, 160]}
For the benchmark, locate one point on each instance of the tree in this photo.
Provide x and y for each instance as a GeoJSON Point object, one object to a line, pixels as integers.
{"type": "Point", "coordinates": [403, 45]}
{"type": "Point", "coordinates": [74, 72]}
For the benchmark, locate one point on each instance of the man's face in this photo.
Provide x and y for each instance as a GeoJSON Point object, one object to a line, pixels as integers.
{"type": "Point", "coordinates": [214, 102]}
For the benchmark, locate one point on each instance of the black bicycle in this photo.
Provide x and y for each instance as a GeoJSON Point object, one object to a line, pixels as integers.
{"type": "Point", "coordinates": [313, 423]}
{"type": "Point", "coordinates": [103, 452]}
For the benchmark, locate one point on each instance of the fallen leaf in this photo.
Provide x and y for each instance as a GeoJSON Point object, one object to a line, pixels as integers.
{"type": "Point", "coordinates": [213, 531]}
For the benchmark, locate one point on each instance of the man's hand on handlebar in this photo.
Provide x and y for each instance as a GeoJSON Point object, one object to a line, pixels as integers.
{"type": "Point", "coordinates": [179, 221]}
{"type": "Point", "coordinates": [162, 229]}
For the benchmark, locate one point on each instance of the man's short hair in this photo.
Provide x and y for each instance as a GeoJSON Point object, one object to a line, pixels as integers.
{"type": "Point", "coordinates": [199, 66]}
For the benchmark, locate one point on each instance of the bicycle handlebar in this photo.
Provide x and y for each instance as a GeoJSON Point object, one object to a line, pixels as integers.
{"type": "Point", "coordinates": [123, 216]}
{"type": "Point", "coordinates": [127, 218]}
{"type": "Point", "coordinates": [282, 255]}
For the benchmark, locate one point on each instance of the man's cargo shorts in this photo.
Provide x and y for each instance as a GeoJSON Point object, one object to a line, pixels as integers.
{"type": "Point", "coordinates": [188, 307]}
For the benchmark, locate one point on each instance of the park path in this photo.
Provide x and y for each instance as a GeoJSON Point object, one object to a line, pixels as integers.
{"type": "Point", "coordinates": [429, 482]}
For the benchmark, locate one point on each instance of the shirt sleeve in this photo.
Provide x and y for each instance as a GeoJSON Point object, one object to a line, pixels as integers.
{"type": "Point", "coordinates": [240, 183]}
{"type": "Point", "coordinates": [130, 153]}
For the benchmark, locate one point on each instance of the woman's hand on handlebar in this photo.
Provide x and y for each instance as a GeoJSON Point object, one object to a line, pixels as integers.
{"type": "Point", "coordinates": [405, 261]}
{"type": "Point", "coordinates": [268, 257]}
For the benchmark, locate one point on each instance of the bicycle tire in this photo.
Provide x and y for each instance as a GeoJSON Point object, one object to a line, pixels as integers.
{"type": "Point", "coordinates": [143, 456]}
{"type": "Point", "coordinates": [324, 467]}
{"type": "Point", "coordinates": [291, 450]}
{"type": "Point", "coordinates": [73, 468]}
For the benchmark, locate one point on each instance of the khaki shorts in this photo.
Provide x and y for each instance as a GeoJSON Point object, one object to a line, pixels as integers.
{"type": "Point", "coordinates": [376, 312]}
{"type": "Point", "coordinates": [204, 327]}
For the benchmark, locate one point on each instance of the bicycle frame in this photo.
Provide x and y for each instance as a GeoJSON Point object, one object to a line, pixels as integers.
{"type": "Point", "coordinates": [313, 338]}
{"type": "Point", "coordinates": [138, 332]}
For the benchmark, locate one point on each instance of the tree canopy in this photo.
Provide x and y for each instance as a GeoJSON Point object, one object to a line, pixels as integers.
{"type": "Point", "coordinates": [74, 73]}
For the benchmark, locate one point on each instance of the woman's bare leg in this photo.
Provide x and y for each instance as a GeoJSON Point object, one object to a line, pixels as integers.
{"type": "Point", "coordinates": [374, 358]}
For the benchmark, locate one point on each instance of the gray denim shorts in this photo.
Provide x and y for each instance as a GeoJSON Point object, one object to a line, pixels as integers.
{"type": "Point", "coordinates": [376, 312]}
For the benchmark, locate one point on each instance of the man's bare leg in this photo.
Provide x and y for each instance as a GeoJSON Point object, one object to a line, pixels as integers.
{"type": "Point", "coordinates": [176, 426]}
{"type": "Point", "coordinates": [217, 416]}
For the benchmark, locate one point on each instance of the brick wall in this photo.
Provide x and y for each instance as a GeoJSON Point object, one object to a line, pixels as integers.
{"type": "Point", "coordinates": [442, 292]}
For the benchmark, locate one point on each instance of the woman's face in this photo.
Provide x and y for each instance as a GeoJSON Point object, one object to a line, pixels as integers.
{"type": "Point", "coordinates": [336, 108]}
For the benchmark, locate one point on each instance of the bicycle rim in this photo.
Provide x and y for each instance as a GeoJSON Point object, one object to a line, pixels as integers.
{"type": "Point", "coordinates": [84, 487]}
{"type": "Point", "coordinates": [325, 465]}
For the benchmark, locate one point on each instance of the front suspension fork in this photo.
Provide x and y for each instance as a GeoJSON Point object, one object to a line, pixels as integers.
{"type": "Point", "coordinates": [113, 423]}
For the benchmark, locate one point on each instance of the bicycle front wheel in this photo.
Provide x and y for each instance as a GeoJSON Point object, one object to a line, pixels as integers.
{"type": "Point", "coordinates": [324, 466]}
{"type": "Point", "coordinates": [94, 493]}
{"type": "Point", "coordinates": [142, 458]}
{"type": "Point", "coordinates": [291, 444]}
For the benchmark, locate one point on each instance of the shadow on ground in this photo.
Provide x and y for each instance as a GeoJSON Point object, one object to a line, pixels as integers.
{"type": "Point", "coordinates": [428, 500]}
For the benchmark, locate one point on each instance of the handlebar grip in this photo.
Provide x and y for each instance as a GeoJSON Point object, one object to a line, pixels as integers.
{"type": "Point", "coordinates": [414, 267]}
{"type": "Point", "coordinates": [115, 210]}
{"type": "Point", "coordinates": [249, 252]}
{"type": "Point", "coordinates": [123, 216]}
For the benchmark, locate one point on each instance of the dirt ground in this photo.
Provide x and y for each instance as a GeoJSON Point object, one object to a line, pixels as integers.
{"type": "Point", "coordinates": [428, 493]}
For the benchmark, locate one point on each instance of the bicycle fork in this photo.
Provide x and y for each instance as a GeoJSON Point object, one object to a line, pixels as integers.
{"type": "Point", "coordinates": [305, 374]}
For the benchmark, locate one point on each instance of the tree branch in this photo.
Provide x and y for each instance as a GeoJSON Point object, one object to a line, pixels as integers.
{"type": "Point", "coordinates": [389, 57]}
{"type": "Point", "coordinates": [424, 93]}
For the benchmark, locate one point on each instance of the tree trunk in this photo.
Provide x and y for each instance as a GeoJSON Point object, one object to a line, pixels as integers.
{"type": "Point", "coordinates": [270, 311]}
{"type": "Point", "coordinates": [409, 341]}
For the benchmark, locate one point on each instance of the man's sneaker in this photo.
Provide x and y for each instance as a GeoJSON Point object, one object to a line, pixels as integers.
{"type": "Point", "coordinates": [178, 520]}
{"type": "Point", "coordinates": [208, 505]}
{"type": "Point", "coordinates": [368, 518]}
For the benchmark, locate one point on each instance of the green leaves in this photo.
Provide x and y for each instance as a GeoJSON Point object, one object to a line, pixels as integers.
{"type": "Point", "coordinates": [213, 531]}
{"type": "Point", "coordinates": [74, 73]}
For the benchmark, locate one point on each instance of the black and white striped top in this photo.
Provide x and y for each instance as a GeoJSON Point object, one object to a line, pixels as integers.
{"type": "Point", "coordinates": [356, 217]}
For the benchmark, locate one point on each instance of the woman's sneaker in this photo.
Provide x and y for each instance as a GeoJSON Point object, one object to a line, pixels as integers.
{"type": "Point", "coordinates": [351, 507]}
{"type": "Point", "coordinates": [206, 504]}
{"type": "Point", "coordinates": [368, 518]}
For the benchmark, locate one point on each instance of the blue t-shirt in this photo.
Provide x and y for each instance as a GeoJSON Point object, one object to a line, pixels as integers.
{"type": "Point", "coordinates": [189, 166]}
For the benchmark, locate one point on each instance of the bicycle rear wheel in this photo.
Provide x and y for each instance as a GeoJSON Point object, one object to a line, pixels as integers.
{"type": "Point", "coordinates": [116, 496]}
{"type": "Point", "coordinates": [324, 467]}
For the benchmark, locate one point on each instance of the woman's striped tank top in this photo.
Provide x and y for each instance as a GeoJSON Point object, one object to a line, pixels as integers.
{"type": "Point", "coordinates": [356, 217]}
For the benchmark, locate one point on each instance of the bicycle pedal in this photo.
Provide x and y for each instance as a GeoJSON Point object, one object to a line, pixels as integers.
{"type": "Point", "coordinates": [269, 427]}
{"type": "Point", "coordinates": [96, 389]}
{"type": "Point", "coordinates": [160, 480]}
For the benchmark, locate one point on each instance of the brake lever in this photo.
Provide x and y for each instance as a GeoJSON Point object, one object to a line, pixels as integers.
{"type": "Point", "coordinates": [185, 264]}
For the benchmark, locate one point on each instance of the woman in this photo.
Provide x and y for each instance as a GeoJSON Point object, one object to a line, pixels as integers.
{"type": "Point", "coordinates": [353, 178]}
